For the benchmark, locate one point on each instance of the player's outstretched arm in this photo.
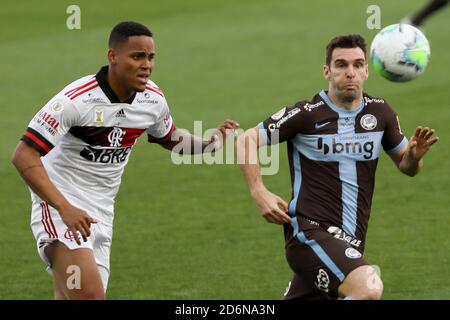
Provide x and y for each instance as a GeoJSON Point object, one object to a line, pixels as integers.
{"type": "Point", "coordinates": [184, 142]}
{"type": "Point", "coordinates": [410, 159]}
{"type": "Point", "coordinates": [28, 162]}
{"type": "Point", "coordinates": [272, 207]}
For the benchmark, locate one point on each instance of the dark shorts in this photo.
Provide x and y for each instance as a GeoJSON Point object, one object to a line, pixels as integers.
{"type": "Point", "coordinates": [320, 262]}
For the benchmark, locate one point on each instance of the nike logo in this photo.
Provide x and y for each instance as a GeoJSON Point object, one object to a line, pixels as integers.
{"type": "Point", "coordinates": [318, 126]}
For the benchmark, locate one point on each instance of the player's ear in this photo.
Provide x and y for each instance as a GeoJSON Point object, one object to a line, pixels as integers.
{"type": "Point", "coordinates": [326, 72]}
{"type": "Point", "coordinates": [367, 71]}
{"type": "Point", "coordinates": [112, 56]}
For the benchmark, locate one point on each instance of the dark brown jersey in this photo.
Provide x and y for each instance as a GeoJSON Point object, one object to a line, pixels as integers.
{"type": "Point", "coordinates": [333, 155]}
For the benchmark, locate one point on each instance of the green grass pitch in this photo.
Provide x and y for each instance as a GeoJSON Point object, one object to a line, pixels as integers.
{"type": "Point", "coordinates": [192, 231]}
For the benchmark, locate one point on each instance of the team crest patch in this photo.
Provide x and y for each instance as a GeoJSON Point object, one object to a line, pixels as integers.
{"type": "Point", "coordinates": [352, 253]}
{"type": "Point", "coordinates": [277, 116]}
{"type": "Point", "coordinates": [368, 122]}
{"type": "Point", "coordinates": [57, 106]}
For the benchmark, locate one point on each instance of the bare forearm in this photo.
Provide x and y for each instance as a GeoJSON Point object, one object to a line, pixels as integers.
{"type": "Point", "coordinates": [32, 171]}
{"type": "Point", "coordinates": [410, 166]}
{"type": "Point", "coordinates": [247, 152]}
{"type": "Point", "coordinates": [184, 142]}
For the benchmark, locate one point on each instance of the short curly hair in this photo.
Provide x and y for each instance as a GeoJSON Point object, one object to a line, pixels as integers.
{"type": "Point", "coordinates": [347, 41]}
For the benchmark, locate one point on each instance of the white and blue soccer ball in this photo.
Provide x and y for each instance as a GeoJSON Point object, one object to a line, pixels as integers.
{"type": "Point", "coordinates": [400, 52]}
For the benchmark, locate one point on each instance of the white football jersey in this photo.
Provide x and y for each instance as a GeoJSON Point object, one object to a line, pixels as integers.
{"type": "Point", "coordinates": [85, 136]}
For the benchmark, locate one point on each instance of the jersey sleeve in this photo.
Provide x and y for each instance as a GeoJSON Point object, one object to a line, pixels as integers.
{"type": "Point", "coordinates": [282, 125]}
{"type": "Point", "coordinates": [393, 138]}
{"type": "Point", "coordinates": [162, 130]}
{"type": "Point", "coordinates": [50, 124]}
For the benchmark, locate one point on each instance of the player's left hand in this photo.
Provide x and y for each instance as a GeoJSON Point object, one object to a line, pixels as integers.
{"type": "Point", "coordinates": [221, 133]}
{"type": "Point", "coordinates": [420, 143]}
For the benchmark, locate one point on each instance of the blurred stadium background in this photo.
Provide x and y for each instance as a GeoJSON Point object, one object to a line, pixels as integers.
{"type": "Point", "coordinates": [192, 231]}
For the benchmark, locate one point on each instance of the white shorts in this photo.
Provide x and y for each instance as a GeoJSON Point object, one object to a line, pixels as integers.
{"type": "Point", "coordinates": [47, 227]}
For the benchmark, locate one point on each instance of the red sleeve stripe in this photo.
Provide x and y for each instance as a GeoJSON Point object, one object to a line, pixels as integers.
{"type": "Point", "coordinates": [83, 91]}
{"type": "Point", "coordinates": [164, 139]}
{"type": "Point", "coordinates": [38, 140]}
{"type": "Point", "coordinates": [80, 87]}
{"type": "Point", "coordinates": [155, 90]}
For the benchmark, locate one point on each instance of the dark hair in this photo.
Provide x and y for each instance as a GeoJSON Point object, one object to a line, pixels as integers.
{"type": "Point", "coordinates": [123, 30]}
{"type": "Point", "coordinates": [347, 41]}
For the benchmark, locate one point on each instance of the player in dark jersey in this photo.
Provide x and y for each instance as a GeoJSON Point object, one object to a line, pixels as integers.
{"type": "Point", "coordinates": [334, 141]}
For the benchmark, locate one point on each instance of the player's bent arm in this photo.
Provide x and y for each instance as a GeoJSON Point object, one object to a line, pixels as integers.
{"type": "Point", "coordinates": [183, 142]}
{"type": "Point", "coordinates": [272, 207]}
{"type": "Point", "coordinates": [410, 167]}
{"type": "Point", "coordinates": [247, 146]}
{"type": "Point", "coordinates": [27, 161]}
{"type": "Point", "coordinates": [410, 159]}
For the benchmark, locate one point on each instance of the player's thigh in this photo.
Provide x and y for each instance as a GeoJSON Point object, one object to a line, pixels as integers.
{"type": "Point", "coordinates": [322, 261]}
{"type": "Point", "coordinates": [75, 272]}
{"type": "Point", "coordinates": [362, 283]}
{"type": "Point", "coordinates": [301, 288]}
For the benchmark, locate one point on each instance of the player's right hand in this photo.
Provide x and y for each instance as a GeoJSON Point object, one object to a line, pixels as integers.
{"type": "Point", "coordinates": [77, 221]}
{"type": "Point", "coordinates": [272, 207]}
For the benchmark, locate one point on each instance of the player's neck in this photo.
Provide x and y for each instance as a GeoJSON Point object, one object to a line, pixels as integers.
{"type": "Point", "coordinates": [121, 92]}
{"type": "Point", "coordinates": [349, 106]}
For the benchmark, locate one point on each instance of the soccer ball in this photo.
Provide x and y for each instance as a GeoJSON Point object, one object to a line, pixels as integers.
{"type": "Point", "coordinates": [400, 52]}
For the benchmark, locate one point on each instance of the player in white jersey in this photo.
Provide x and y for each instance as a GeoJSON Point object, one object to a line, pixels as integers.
{"type": "Point", "coordinates": [74, 151]}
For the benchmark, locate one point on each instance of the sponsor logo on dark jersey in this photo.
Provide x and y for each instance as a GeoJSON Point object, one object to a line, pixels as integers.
{"type": "Point", "coordinates": [273, 126]}
{"type": "Point", "coordinates": [105, 155]}
{"type": "Point", "coordinates": [310, 107]}
{"type": "Point", "coordinates": [368, 100]}
{"type": "Point", "coordinates": [338, 233]}
{"type": "Point", "coordinates": [365, 148]}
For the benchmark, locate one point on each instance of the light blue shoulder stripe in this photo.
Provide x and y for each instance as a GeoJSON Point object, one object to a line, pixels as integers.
{"type": "Point", "coordinates": [263, 133]}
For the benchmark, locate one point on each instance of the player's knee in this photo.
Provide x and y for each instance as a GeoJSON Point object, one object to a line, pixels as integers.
{"type": "Point", "coordinates": [372, 294]}
{"type": "Point", "coordinates": [372, 291]}
{"type": "Point", "coordinates": [362, 284]}
{"type": "Point", "coordinates": [87, 294]}
{"type": "Point", "coordinates": [94, 295]}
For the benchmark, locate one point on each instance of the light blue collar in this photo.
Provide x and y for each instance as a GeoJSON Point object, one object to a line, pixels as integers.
{"type": "Point", "coordinates": [340, 110]}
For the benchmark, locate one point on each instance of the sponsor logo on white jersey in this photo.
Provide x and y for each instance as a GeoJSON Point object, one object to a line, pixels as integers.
{"type": "Point", "coordinates": [105, 155]}
{"type": "Point", "coordinates": [121, 114]}
{"type": "Point", "coordinates": [93, 99]}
